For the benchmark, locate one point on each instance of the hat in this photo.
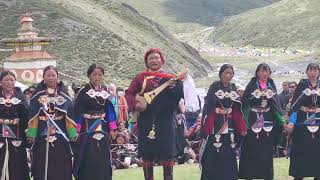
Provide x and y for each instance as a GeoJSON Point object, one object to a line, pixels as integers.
{"type": "Point", "coordinates": [153, 50]}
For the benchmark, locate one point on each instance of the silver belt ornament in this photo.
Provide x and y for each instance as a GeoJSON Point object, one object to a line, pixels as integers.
{"type": "Point", "coordinates": [152, 133]}
{"type": "Point", "coordinates": [233, 144]}
{"type": "Point", "coordinates": [264, 103]}
{"type": "Point", "coordinates": [217, 144]}
{"type": "Point", "coordinates": [51, 139]}
{"type": "Point", "coordinates": [16, 143]}
{"type": "Point", "coordinates": [265, 127]}
{"type": "Point", "coordinates": [313, 129]}
{"type": "Point", "coordinates": [311, 126]}
{"type": "Point", "coordinates": [256, 130]}
{"type": "Point", "coordinates": [98, 136]}
{"type": "Point", "coordinates": [258, 125]}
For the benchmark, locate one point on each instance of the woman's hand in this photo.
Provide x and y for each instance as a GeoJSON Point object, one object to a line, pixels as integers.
{"type": "Point", "coordinates": [141, 103]}
{"type": "Point", "coordinates": [140, 107]}
{"type": "Point", "coordinates": [172, 83]}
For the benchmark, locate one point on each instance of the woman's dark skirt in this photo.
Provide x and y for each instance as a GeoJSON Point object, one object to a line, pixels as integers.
{"type": "Point", "coordinates": [161, 148]}
{"type": "Point", "coordinates": [18, 166]}
{"type": "Point", "coordinates": [93, 159]}
{"type": "Point", "coordinates": [219, 165]}
{"type": "Point", "coordinates": [256, 160]}
{"type": "Point", "coordinates": [59, 160]}
{"type": "Point", "coordinates": [305, 157]}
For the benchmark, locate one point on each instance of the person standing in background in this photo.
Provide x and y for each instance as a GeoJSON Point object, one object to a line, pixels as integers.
{"type": "Point", "coordinates": [284, 96]}
{"type": "Point", "coordinates": [119, 103]}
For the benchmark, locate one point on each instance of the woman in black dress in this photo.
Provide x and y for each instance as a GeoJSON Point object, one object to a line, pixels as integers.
{"type": "Point", "coordinates": [96, 118]}
{"type": "Point", "coordinates": [305, 121]}
{"type": "Point", "coordinates": [265, 120]}
{"type": "Point", "coordinates": [222, 122]}
{"type": "Point", "coordinates": [13, 122]}
{"type": "Point", "coordinates": [51, 128]}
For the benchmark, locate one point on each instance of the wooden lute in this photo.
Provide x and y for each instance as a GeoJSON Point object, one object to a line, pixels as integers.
{"type": "Point", "coordinates": [150, 96]}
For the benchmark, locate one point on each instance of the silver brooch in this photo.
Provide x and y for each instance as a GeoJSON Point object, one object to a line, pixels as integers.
{"type": "Point", "coordinates": [309, 92]}
{"type": "Point", "coordinates": [103, 94]}
{"type": "Point", "coordinates": [258, 93]}
{"type": "Point", "coordinates": [232, 95]}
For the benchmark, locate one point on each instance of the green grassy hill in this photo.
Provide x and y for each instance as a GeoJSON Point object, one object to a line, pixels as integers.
{"type": "Point", "coordinates": [186, 15]}
{"type": "Point", "coordinates": [288, 23]}
{"type": "Point", "coordinates": [99, 31]}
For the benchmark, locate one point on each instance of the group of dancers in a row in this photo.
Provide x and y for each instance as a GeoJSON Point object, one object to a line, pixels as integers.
{"type": "Point", "coordinates": [256, 119]}
{"type": "Point", "coordinates": [70, 137]}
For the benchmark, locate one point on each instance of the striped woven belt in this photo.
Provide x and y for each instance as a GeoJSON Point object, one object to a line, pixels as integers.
{"type": "Point", "coordinates": [310, 110]}
{"type": "Point", "coordinates": [223, 110]}
{"type": "Point", "coordinates": [260, 110]}
{"type": "Point", "coordinates": [55, 118]}
{"type": "Point", "coordinates": [94, 116]}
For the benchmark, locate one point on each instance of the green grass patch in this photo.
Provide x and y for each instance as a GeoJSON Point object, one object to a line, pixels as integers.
{"type": "Point", "coordinates": [192, 172]}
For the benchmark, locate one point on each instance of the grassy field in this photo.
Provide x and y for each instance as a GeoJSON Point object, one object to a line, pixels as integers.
{"type": "Point", "coordinates": [288, 23]}
{"type": "Point", "coordinates": [192, 172]}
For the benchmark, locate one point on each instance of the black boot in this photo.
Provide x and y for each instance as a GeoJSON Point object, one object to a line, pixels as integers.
{"type": "Point", "coordinates": [297, 178]}
{"type": "Point", "coordinates": [168, 170]}
{"type": "Point", "coordinates": [148, 170]}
